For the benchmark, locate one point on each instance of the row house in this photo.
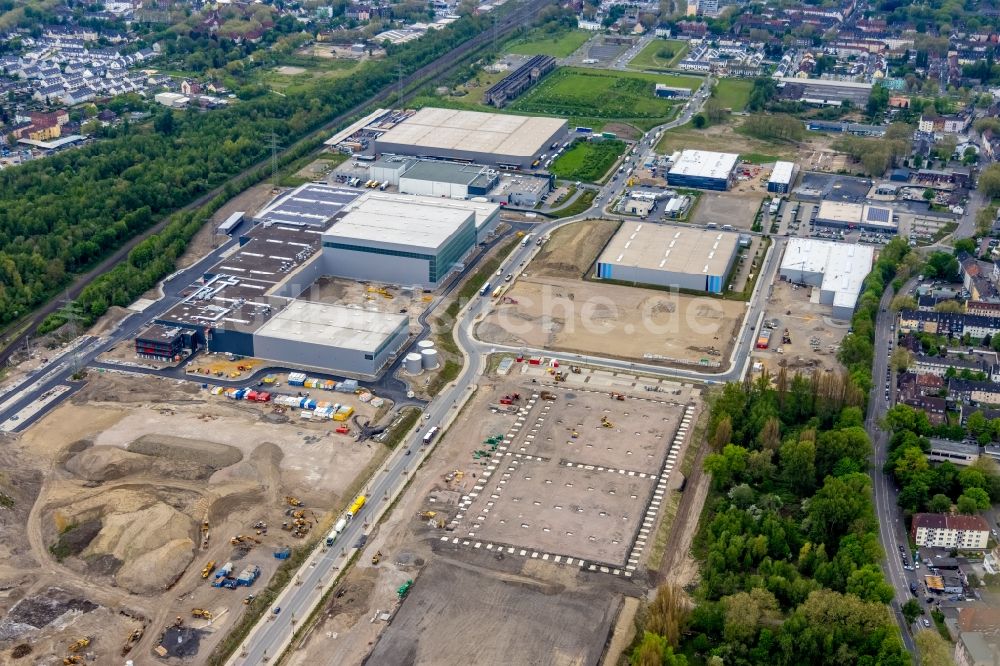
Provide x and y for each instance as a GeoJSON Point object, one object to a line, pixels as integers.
{"type": "Point", "coordinates": [949, 324]}
{"type": "Point", "coordinates": [971, 391]}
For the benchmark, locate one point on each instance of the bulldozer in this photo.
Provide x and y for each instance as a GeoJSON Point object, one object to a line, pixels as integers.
{"type": "Point", "coordinates": [376, 558]}
{"type": "Point", "coordinates": [208, 569]}
{"type": "Point", "coordinates": [79, 644]}
{"type": "Point", "coordinates": [202, 613]}
{"type": "Point", "coordinates": [293, 501]}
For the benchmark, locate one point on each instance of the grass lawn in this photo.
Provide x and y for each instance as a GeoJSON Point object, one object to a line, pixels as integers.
{"type": "Point", "coordinates": [579, 93]}
{"type": "Point", "coordinates": [587, 160]}
{"type": "Point", "coordinates": [582, 203]}
{"type": "Point", "coordinates": [559, 45]}
{"type": "Point", "coordinates": [290, 81]}
{"type": "Point", "coordinates": [649, 57]}
{"type": "Point", "coordinates": [758, 158]}
{"type": "Point", "coordinates": [733, 93]}
{"type": "Point", "coordinates": [724, 138]}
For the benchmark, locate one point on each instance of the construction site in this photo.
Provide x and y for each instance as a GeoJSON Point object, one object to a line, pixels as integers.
{"type": "Point", "coordinates": [147, 515]}
{"type": "Point", "coordinates": [552, 306]}
{"type": "Point", "coordinates": [530, 527]}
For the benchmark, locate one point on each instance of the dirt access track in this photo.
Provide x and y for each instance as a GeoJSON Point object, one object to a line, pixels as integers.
{"type": "Point", "coordinates": [112, 488]}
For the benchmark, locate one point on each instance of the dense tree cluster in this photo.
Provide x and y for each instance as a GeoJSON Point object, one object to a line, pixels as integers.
{"type": "Point", "coordinates": [60, 215]}
{"type": "Point", "coordinates": [935, 488]}
{"type": "Point", "coordinates": [790, 571]}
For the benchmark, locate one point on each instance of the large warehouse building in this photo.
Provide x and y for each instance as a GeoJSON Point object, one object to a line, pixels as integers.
{"type": "Point", "coordinates": [435, 178]}
{"type": "Point", "coordinates": [321, 335]}
{"type": "Point", "coordinates": [470, 136]}
{"type": "Point", "coordinates": [846, 215]}
{"type": "Point", "coordinates": [668, 256]}
{"type": "Point", "coordinates": [407, 240]}
{"type": "Point", "coordinates": [703, 170]}
{"type": "Point", "coordinates": [838, 269]}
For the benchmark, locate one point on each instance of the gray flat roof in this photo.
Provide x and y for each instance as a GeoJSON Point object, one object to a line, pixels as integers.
{"type": "Point", "coordinates": [444, 172]}
{"type": "Point", "coordinates": [704, 164]}
{"type": "Point", "coordinates": [449, 129]}
{"type": "Point", "coordinates": [312, 204]}
{"type": "Point", "coordinates": [401, 220]}
{"type": "Point", "coordinates": [332, 325]}
{"type": "Point", "coordinates": [669, 248]}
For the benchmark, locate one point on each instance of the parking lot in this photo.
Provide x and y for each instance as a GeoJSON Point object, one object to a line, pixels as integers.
{"type": "Point", "coordinates": [573, 476]}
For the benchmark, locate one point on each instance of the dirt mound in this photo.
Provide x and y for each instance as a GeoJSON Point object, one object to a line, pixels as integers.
{"type": "Point", "coordinates": [157, 569]}
{"type": "Point", "coordinates": [105, 463]}
{"type": "Point", "coordinates": [119, 500]}
{"type": "Point", "coordinates": [38, 611]}
{"type": "Point", "coordinates": [128, 535]}
{"type": "Point", "coordinates": [202, 452]}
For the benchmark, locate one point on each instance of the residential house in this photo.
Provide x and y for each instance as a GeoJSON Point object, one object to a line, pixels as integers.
{"type": "Point", "coordinates": [939, 530]}
{"type": "Point", "coordinates": [974, 391]}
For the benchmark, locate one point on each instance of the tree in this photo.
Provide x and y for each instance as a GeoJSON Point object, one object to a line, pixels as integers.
{"type": "Point", "coordinates": [901, 359]}
{"type": "Point", "coordinates": [933, 649]}
{"type": "Point", "coordinates": [744, 612]}
{"type": "Point", "coordinates": [973, 501]}
{"type": "Point", "coordinates": [952, 307]}
{"type": "Point", "coordinates": [654, 651]}
{"type": "Point", "coordinates": [903, 302]}
{"type": "Point", "coordinates": [911, 610]}
{"type": "Point", "coordinates": [868, 584]}
{"type": "Point", "coordinates": [843, 504]}
{"type": "Point", "coordinates": [164, 123]}
{"type": "Point", "coordinates": [726, 467]}
{"type": "Point", "coordinates": [989, 181]}
{"type": "Point", "coordinates": [668, 614]}
{"type": "Point", "coordinates": [929, 195]}
{"type": "Point", "coordinates": [798, 466]}
{"type": "Point", "coordinates": [939, 504]}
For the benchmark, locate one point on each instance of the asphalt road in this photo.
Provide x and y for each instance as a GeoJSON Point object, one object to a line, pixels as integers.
{"type": "Point", "coordinates": [892, 533]}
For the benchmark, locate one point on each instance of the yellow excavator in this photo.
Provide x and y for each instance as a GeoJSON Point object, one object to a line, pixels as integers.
{"type": "Point", "coordinates": [202, 613]}
{"type": "Point", "coordinates": [79, 644]}
{"type": "Point", "coordinates": [208, 569]}
{"type": "Point", "coordinates": [293, 501]}
{"type": "Point", "coordinates": [376, 558]}
{"type": "Point", "coordinates": [606, 423]}
{"type": "Point", "coordinates": [72, 659]}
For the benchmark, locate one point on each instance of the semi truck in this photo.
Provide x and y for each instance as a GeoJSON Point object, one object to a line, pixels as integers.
{"type": "Point", "coordinates": [764, 339]}
{"type": "Point", "coordinates": [335, 532]}
{"type": "Point", "coordinates": [356, 506]}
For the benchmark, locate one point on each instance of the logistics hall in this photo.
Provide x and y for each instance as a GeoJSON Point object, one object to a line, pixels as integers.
{"type": "Point", "coordinates": [497, 139]}
{"type": "Point", "coordinates": [668, 256]}
{"type": "Point", "coordinates": [704, 170]}
{"type": "Point", "coordinates": [838, 269]}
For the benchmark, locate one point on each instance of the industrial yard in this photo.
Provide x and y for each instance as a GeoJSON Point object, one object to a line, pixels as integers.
{"type": "Point", "coordinates": [128, 500]}
{"type": "Point", "coordinates": [551, 306]}
{"type": "Point", "coordinates": [546, 596]}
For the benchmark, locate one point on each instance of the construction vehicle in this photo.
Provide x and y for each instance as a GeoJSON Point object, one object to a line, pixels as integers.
{"type": "Point", "coordinates": [547, 395]}
{"type": "Point", "coordinates": [247, 600]}
{"type": "Point", "coordinates": [178, 621]}
{"type": "Point", "coordinates": [427, 515]}
{"type": "Point", "coordinates": [335, 532]}
{"type": "Point", "coordinates": [605, 423]}
{"type": "Point", "coordinates": [202, 613]}
{"type": "Point", "coordinates": [617, 396]}
{"type": "Point", "coordinates": [376, 558]}
{"type": "Point", "coordinates": [208, 569]}
{"type": "Point", "coordinates": [72, 659]}
{"type": "Point", "coordinates": [79, 644]}
{"type": "Point", "coordinates": [243, 538]}
{"type": "Point", "coordinates": [131, 640]}
{"type": "Point", "coordinates": [381, 291]}
{"type": "Point", "coordinates": [559, 376]}
{"type": "Point", "coordinates": [293, 501]}
{"type": "Point", "coordinates": [575, 369]}
{"type": "Point", "coordinates": [786, 338]}
{"type": "Point", "coordinates": [404, 589]}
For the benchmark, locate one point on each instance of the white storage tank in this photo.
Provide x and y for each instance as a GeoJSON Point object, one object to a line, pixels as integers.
{"type": "Point", "coordinates": [430, 358]}
{"type": "Point", "coordinates": [412, 363]}
{"type": "Point", "coordinates": [425, 344]}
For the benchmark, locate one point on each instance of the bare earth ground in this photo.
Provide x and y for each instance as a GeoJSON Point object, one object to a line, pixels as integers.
{"type": "Point", "coordinates": [727, 208]}
{"type": "Point", "coordinates": [484, 609]}
{"type": "Point", "coordinates": [124, 473]}
{"type": "Point", "coordinates": [572, 249]}
{"type": "Point", "coordinates": [793, 309]}
{"type": "Point", "coordinates": [613, 320]}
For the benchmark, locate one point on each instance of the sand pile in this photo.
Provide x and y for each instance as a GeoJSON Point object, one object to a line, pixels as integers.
{"type": "Point", "coordinates": [106, 463]}
{"type": "Point", "coordinates": [211, 454]}
{"type": "Point", "coordinates": [119, 500]}
{"type": "Point", "coordinates": [157, 569]}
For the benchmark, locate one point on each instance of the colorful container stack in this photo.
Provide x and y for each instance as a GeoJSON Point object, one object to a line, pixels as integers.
{"type": "Point", "coordinates": [343, 413]}
{"type": "Point", "coordinates": [297, 379]}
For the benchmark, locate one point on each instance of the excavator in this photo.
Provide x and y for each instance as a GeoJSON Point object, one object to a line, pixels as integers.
{"type": "Point", "coordinates": [243, 538]}
{"type": "Point", "coordinates": [381, 291]}
{"type": "Point", "coordinates": [376, 558]}
{"type": "Point", "coordinates": [79, 644]}
{"type": "Point", "coordinates": [209, 568]}
{"type": "Point", "coordinates": [72, 659]}
{"type": "Point", "coordinates": [606, 423]}
{"type": "Point", "coordinates": [202, 613]}
{"type": "Point", "coordinates": [132, 639]}
{"type": "Point", "coordinates": [293, 501]}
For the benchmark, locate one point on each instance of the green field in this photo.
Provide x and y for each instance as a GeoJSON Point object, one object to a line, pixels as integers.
{"type": "Point", "coordinates": [649, 57]}
{"type": "Point", "coordinates": [559, 45]}
{"type": "Point", "coordinates": [578, 93]}
{"type": "Point", "coordinates": [587, 160]}
{"type": "Point", "coordinates": [288, 81]}
{"type": "Point", "coordinates": [733, 93]}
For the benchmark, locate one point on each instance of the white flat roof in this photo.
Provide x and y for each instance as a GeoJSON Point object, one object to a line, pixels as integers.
{"type": "Point", "coordinates": [401, 220]}
{"type": "Point", "coordinates": [844, 265]}
{"type": "Point", "coordinates": [669, 248]}
{"type": "Point", "coordinates": [332, 325]}
{"type": "Point", "coordinates": [782, 172]}
{"type": "Point", "coordinates": [704, 164]}
{"type": "Point", "coordinates": [840, 211]}
{"type": "Point", "coordinates": [449, 129]}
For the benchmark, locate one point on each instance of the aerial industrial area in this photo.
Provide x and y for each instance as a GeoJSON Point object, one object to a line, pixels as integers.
{"type": "Point", "coordinates": [626, 334]}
